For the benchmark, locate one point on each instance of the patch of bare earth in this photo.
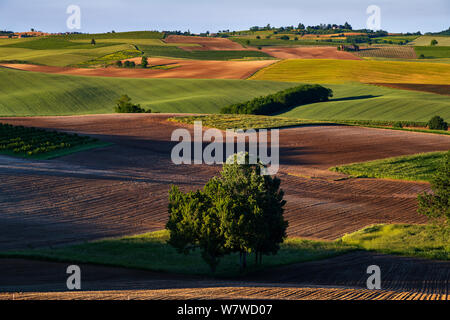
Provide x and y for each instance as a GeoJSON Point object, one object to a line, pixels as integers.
{"type": "Point", "coordinates": [313, 52]}
{"type": "Point", "coordinates": [433, 88]}
{"type": "Point", "coordinates": [122, 189]}
{"type": "Point", "coordinates": [191, 69]}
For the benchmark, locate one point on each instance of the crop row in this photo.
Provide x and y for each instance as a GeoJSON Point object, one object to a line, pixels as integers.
{"type": "Point", "coordinates": [34, 141]}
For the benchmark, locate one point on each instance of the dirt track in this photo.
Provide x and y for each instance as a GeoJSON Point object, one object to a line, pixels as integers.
{"type": "Point", "coordinates": [122, 189]}
{"type": "Point", "coordinates": [305, 52]}
{"type": "Point", "coordinates": [192, 69]}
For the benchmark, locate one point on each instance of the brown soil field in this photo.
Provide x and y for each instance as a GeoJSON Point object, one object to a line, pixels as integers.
{"type": "Point", "coordinates": [433, 88]}
{"type": "Point", "coordinates": [193, 69]}
{"type": "Point", "coordinates": [343, 277]}
{"type": "Point", "coordinates": [69, 199]}
{"type": "Point", "coordinates": [205, 43]}
{"type": "Point", "coordinates": [122, 189]}
{"type": "Point", "coordinates": [313, 52]}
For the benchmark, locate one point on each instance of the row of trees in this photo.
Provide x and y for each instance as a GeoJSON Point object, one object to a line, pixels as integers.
{"type": "Point", "coordinates": [132, 64]}
{"type": "Point", "coordinates": [239, 211]}
{"type": "Point", "coordinates": [281, 101]}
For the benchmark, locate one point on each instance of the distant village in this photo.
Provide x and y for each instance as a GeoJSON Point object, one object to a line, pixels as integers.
{"type": "Point", "coordinates": [28, 34]}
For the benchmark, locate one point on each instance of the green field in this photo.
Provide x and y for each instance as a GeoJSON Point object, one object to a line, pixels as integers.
{"type": "Point", "coordinates": [115, 35]}
{"type": "Point", "coordinates": [35, 143]}
{"type": "Point", "coordinates": [174, 52]}
{"type": "Point", "coordinates": [367, 71]}
{"type": "Point", "coordinates": [355, 101]}
{"type": "Point", "coordinates": [426, 40]}
{"type": "Point", "coordinates": [150, 251]}
{"type": "Point", "coordinates": [243, 121]}
{"type": "Point", "coordinates": [30, 93]}
{"type": "Point", "coordinates": [433, 52]}
{"type": "Point", "coordinates": [426, 241]}
{"type": "Point", "coordinates": [418, 167]}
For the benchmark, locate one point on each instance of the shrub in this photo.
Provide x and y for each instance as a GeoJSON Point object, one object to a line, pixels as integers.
{"type": "Point", "coordinates": [437, 123]}
{"type": "Point", "coordinates": [284, 37]}
{"type": "Point", "coordinates": [240, 211]}
{"type": "Point", "coordinates": [124, 105]}
{"type": "Point", "coordinates": [281, 101]}
{"type": "Point", "coordinates": [436, 205]}
{"type": "Point", "coordinates": [119, 63]}
{"type": "Point", "coordinates": [144, 62]}
{"type": "Point", "coordinates": [397, 124]}
{"type": "Point", "coordinates": [433, 42]}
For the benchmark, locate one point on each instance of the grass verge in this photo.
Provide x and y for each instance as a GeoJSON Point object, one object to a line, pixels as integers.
{"type": "Point", "coordinates": [426, 241]}
{"type": "Point", "coordinates": [229, 121]}
{"type": "Point", "coordinates": [151, 252]}
{"type": "Point", "coordinates": [418, 167]}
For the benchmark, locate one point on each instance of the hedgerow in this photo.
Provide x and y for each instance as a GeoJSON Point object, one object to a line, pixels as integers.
{"type": "Point", "coordinates": [281, 101]}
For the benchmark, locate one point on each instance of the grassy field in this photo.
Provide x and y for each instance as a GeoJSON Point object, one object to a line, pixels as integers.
{"type": "Point", "coordinates": [37, 143]}
{"type": "Point", "coordinates": [426, 40]}
{"type": "Point", "coordinates": [243, 121]}
{"type": "Point", "coordinates": [174, 52]}
{"type": "Point", "coordinates": [355, 101]}
{"type": "Point", "coordinates": [434, 52]}
{"type": "Point", "coordinates": [150, 251]}
{"type": "Point", "coordinates": [424, 241]}
{"type": "Point", "coordinates": [115, 35]}
{"type": "Point", "coordinates": [367, 71]}
{"type": "Point", "coordinates": [30, 93]}
{"type": "Point", "coordinates": [418, 167]}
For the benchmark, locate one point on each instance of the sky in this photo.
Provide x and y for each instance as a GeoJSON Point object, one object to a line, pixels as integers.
{"type": "Point", "coordinates": [212, 15]}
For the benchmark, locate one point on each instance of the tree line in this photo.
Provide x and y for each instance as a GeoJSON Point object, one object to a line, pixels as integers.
{"type": "Point", "coordinates": [281, 101]}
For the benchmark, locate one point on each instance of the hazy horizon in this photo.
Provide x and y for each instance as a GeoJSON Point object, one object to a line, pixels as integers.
{"type": "Point", "coordinates": [201, 15]}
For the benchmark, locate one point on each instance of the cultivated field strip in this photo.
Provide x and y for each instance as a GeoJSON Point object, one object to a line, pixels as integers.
{"type": "Point", "coordinates": [122, 189]}
{"type": "Point", "coordinates": [341, 277]}
{"type": "Point", "coordinates": [228, 293]}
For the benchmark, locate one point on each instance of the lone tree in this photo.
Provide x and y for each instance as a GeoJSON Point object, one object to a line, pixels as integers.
{"type": "Point", "coordinates": [436, 205]}
{"type": "Point", "coordinates": [144, 62]}
{"type": "Point", "coordinates": [437, 123]}
{"type": "Point", "coordinates": [93, 42]}
{"type": "Point", "coordinates": [124, 105]}
{"type": "Point", "coordinates": [433, 42]}
{"type": "Point", "coordinates": [238, 211]}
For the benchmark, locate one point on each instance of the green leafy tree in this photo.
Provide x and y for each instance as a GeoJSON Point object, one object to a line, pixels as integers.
{"type": "Point", "coordinates": [433, 42]}
{"type": "Point", "coordinates": [93, 42]}
{"type": "Point", "coordinates": [124, 105]}
{"type": "Point", "coordinates": [119, 63]}
{"type": "Point", "coordinates": [238, 211]}
{"type": "Point", "coordinates": [436, 205]}
{"type": "Point", "coordinates": [437, 123]}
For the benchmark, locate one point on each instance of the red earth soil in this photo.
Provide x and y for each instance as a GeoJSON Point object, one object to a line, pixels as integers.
{"type": "Point", "coordinates": [433, 88]}
{"type": "Point", "coordinates": [193, 69]}
{"type": "Point", "coordinates": [122, 189]}
{"type": "Point", "coordinates": [305, 52]}
{"type": "Point", "coordinates": [205, 43]}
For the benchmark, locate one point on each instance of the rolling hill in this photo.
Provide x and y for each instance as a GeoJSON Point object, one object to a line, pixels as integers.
{"type": "Point", "coordinates": [31, 93]}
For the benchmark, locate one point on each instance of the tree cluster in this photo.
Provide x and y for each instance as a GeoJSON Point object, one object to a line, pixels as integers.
{"type": "Point", "coordinates": [238, 211]}
{"type": "Point", "coordinates": [281, 101]}
{"type": "Point", "coordinates": [124, 105]}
